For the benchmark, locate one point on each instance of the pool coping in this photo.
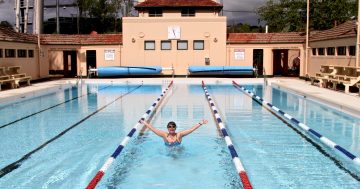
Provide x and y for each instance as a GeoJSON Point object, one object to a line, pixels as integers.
{"type": "Point", "coordinates": [32, 91]}
{"type": "Point", "coordinates": [349, 103]}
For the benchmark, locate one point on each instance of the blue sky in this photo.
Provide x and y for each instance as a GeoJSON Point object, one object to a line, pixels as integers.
{"type": "Point", "coordinates": [7, 11]}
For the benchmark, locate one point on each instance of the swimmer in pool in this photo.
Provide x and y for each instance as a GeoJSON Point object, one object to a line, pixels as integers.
{"type": "Point", "coordinates": [171, 138]}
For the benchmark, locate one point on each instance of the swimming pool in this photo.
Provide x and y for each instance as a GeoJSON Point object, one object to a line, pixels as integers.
{"type": "Point", "coordinates": [64, 146]}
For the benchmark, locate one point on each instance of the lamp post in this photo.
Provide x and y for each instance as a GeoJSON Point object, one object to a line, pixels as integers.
{"type": "Point", "coordinates": [307, 36]}
{"type": "Point", "coordinates": [357, 63]}
{"type": "Point", "coordinates": [57, 18]}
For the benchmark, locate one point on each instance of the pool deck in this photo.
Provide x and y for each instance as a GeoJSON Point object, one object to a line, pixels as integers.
{"type": "Point", "coordinates": [345, 102]}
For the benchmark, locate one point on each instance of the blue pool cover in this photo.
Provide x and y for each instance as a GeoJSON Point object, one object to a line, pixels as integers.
{"type": "Point", "coordinates": [221, 70]}
{"type": "Point", "coordinates": [113, 71]}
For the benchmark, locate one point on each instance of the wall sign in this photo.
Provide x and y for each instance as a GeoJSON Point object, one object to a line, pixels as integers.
{"type": "Point", "coordinates": [239, 54]}
{"type": "Point", "coordinates": [109, 54]}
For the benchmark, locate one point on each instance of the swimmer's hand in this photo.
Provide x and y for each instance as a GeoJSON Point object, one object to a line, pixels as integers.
{"type": "Point", "coordinates": [204, 121]}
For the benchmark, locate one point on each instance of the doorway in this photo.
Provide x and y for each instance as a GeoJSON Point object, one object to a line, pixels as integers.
{"type": "Point", "coordinates": [70, 63]}
{"type": "Point", "coordinates": [90, 60]}
{"type": "Point", "coordinates": [258, 60]}
{"type": "Point", "coordinates": [280, 62]}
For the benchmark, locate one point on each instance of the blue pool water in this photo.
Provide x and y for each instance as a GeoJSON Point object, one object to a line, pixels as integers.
{"type": "Point", "coordinates": [64, 146]}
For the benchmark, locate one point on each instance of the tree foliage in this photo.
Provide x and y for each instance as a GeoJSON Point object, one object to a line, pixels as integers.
{"type": "Point", "coordinates": [244, 28]}
{"type": "Point", "coordinates": [290, 15]}
{"type": "Point", "coordinates": [104, 14]}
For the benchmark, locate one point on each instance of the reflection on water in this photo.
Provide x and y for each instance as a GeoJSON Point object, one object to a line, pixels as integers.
{"type": "Point", "coordinates": [175, 152]}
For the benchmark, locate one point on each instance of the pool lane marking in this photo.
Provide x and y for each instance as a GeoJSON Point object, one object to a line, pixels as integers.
{"type": "Point", "coordinates": [304, 127]}
{"type": "Point", "coordinates": [30, 115]}
{"type": "Point", "coordinates": [96, 179]}
{"type": "Point", "coordinates": [236, 160]}
{"type": "Point", "coordinates": [7, 169]}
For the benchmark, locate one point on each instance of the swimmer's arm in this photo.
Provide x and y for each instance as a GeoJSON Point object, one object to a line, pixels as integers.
{"type": "Point", "coordinates": [193, 128]}
{"type": "Point", "coordinates": [158, 132]}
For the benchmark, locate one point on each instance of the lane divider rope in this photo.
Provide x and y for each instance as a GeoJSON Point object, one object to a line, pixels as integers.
{"type": "Point", "coordinates": [92, 184]}
{"type": "Point", "coordinates": [304, 127]}
{"type": "Point", "coordinates": [236, 160]}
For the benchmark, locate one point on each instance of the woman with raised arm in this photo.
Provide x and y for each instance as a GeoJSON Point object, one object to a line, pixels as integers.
{"type": "Point", "coordinates": [171, 138]}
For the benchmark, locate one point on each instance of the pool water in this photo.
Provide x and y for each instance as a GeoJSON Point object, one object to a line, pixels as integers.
{"type": "Point", "coordinates": [65, 146]}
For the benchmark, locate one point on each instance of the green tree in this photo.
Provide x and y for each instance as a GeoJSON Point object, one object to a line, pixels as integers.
{"type": "Point", "coordinates": [103, 14]}
{"type": "Point", "coordinates": [326, 14]}
{"type": "Point", "coordinates": [244, 28]}
{"type": "Point", "coordinates": [6, 24]}
{"type": "Point", "coordinates": [290, 15]}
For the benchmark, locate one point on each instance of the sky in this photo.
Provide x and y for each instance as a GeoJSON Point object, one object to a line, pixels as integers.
{"type": "Point", "coordinates": [7, 12]}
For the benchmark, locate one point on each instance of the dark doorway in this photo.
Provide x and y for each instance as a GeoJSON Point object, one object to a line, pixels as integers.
{"type": "Point", "coordinates": [280, 62]}
{"type": "Point", "coordinates": [90, 59]}
{"type": "Point", "coordinates": [70, 63]}
{"type": "Point", "coordinates": [258, 56]}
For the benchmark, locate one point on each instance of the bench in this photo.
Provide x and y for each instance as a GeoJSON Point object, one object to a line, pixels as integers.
{"type": "Point", "coordinates": [14, 72]}
{"type": "Point", "coordinates": [335, 74]}
{"type": "Point", "coordinates": [7, 80]}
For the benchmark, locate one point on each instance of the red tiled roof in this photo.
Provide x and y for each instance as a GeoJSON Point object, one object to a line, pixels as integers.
{"type": "Point", "coordinates": [8, 34]}
{"type": "Point", "coordinates": [178, 3]}
{"type": "Point", "coordinates": [256, 38]}
{"type": "Point", "coordinates": [347, 29]}
{"type": "Point", "coordinates": [93, 39]}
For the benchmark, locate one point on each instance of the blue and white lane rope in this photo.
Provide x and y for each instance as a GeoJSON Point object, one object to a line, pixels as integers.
{"type": "Point", "coordinates": [118, 150]}
{"type": "Point", "coordinates": [236, 160]}
{"type": "Point", "coordinates": [304, 127]}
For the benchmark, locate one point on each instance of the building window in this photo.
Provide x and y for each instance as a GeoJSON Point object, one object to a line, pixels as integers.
{"type": "Point", "coordinates": [341, 51]}
{"type": "Point", "coordinates": [9, 53]}
{"type": "Point", "coordinates": [352, 50]}
{"type": "Point", "coordinates": [187, 12]}
{"type": "Point", "coordinates": [330, 51]}
{"type": "Point", "coordinates": [149, 45]}
{"type": "Point", "coordinates": [155, 13]}
{"type": "Point", "coordinates": [314, 51]}
{"type": "Point", "coordinates": [166, 45]}
{"type": "Point", "coordinates": [321, 51]}
{"type": "Point", "coordinates": [1, 53]}
{"type": "Point", "coordinates": [31, 53]}
{"type": "Point", "coordinates": [21, 53]}
{"type": "Point", "coordinates": [182, 45]}
{"type": "Point", "coordinates": [198, 44]}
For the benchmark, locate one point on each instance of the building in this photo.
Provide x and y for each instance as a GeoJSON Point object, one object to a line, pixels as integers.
{"type": "Point", "coordinates": [336, 46]}
{"type": "Point", "coordinates": [175, 35]}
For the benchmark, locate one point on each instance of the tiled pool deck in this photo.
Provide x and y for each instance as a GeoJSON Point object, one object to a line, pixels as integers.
{"type": "Point", "coordinates": [346, 102]}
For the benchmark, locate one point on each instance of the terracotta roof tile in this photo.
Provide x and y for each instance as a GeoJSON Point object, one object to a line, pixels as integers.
{"type": "Point", "coordinates": [7, 34]}
{"type": "Point", "coordinates": [94, 39]}
{"type": "Point", "coordinates": [347, 29]}
{"type": "Point", "coordinates": [256, 38]}
{"type": "Point", "coordinates": [178, 3]}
